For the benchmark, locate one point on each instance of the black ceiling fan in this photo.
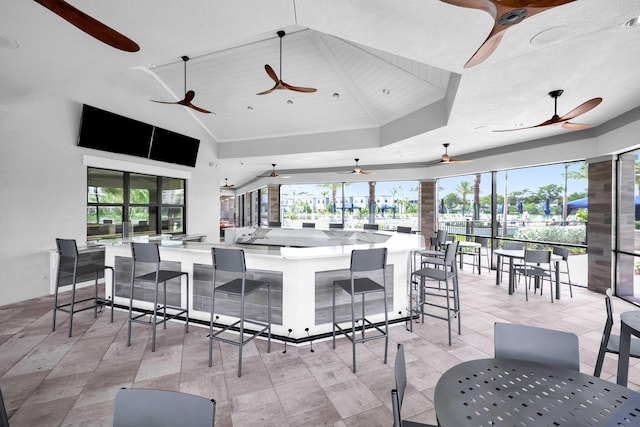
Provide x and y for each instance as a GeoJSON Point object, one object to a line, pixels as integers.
{"type": "Point", "coordinates": [358, 170]}
{"type": "Point", "coordinates": [188, 94]}
{"type": "Point", "coordinates": [226, 184]}
{"type": "Point", "coordinates": [273, 173]}
{"type": "Point", "coordinates": [278, 79]}
{"type": "Point", "coordinates": [564, 120]}
{"type": "Point", "coordinates": [90, 25]}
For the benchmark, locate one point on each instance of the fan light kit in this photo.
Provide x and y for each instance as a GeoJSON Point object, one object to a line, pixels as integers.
{"type": "Point", "coordinates": [188, 94]}
{"type": "Point", "coordinates": [564, 120]}
{"type": "Point", "coordinates": [505, 13]}
{"type": "Point", "coordinates": [90, 25]}
{"type": "Point", "coordinates": [226, 184]}
{"type": "Point", "coordinates": [446, 159]}
{"type": "Point", "coordinates": [278, 79]}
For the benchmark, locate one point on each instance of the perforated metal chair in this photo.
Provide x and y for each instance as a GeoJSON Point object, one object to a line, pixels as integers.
{"type": "Point", "coordinates": [484, 247]}
{"type": "Point", "coordinates": [401, 229]}
{"type": "Point", "coordinates": [537, 265]}
{"type": "Point", "coordinates": [611, 343]}
{"type": "Point", "coordinates": [397, 394]}
{"type": "Point", "coordinates": [68, 266]}
{"type": "Point", "coordinates": [564, 253]}
{"type": "Point", "coordinates": [162, 408]}
{"type": "Point", "coordinates": [523, 342]}
{"type": "Point", "coordinates": [230, 264]}
{"type": "Point", "coordinates": [502, 261]}
{"type": "Point", "coordinates": [363, 261]}
{"type": "Point", "coordinates": [308, 225]}
{"type": "Point", "coordinates": [450, 292]}
{"type": "Point", "coordinates": [371, 227]}
{"type": "Point", "coordinates": [149, 253]}
{"type": "Point", "coordinates": [336, 225]}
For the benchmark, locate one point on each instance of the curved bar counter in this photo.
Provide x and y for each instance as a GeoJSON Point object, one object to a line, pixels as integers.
{"type": "Point", "coordinates": [300, 264]}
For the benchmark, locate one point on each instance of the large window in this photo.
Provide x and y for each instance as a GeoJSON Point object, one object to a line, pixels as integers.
{"type": "Point", "coordinates": [125, 204]}
{"type": "Point", "coordinates": [388, 204]}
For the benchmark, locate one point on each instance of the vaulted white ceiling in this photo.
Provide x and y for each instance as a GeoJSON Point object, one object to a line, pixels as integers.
{"type": "Point", "coordinates": [390, 75]}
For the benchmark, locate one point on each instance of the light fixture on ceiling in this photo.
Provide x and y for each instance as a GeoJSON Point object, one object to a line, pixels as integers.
{"type": "Point", "coordinates": [386, 91]}
{"type": "Point", "coordinates": [289, 101]}
{"type": "Point", "coordinates": [336, 95]}
{"type": "Point", "coordinates": [633, 22]}
{"type": "Point", "coordinates": [249, 107]}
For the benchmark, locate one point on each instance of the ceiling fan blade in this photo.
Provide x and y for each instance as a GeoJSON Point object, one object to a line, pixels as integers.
{"type": "Point", "coordinates": [166, 102]}
{"type": "Point", "coordinates": [195, 107]}
{"type": "Point", "coordinates": [298, 88]}
{"type": "Point", "coordinates": [581, 109]}
{"type": "Point", "coordinates": [268, 91]}
{"type": "Point", "coordinates": [272, 73]}
{"type": "Point", "coordinates": [575, 126]}
{"type": "Point", "coordinates": [458, 161]}
{"type": "Point", "coordinates": [485, 5]}
{"type": "Point", "coordinates": [90, 25]}
{"type": "Point", "coordinates": [487, 48]}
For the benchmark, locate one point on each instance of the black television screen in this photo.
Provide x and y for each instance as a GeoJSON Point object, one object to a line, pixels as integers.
{"type": "Point", "coordinates": [111, 132]}
{"type": "Point", "coordinates": [172, 147]}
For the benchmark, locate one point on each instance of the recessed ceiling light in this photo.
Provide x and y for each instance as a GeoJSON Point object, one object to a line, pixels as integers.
{"type": "Point", "coordinates": [289, 101]}
{"type": "Point", "coordinates": [633, 22]}
{"type": "Point", "coordinates": [336, 95]}
{"type": "Point", "coordinates": [549, 36]}
{"type": "Point", "coordinates": [249, 107]}
{"type": "Point", "coordinates": [386, 91]}
{"type": "Point", "coordinates": [152, 66]}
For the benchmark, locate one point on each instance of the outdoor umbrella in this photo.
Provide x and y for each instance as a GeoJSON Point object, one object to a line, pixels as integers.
{"type": "Point", "coordinates": [547, 207]}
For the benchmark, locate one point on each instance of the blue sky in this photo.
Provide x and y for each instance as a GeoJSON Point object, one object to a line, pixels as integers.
{"type": "Point", "coordinates": [517, 179]}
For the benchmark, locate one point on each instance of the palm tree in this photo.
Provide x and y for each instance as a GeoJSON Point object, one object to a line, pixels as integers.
{"type": "Point", "coordinates": [464, 188]}
{"type": "Point", "coordinates": [333, 186]}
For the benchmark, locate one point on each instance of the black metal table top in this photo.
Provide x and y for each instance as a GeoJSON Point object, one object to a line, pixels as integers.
{"type": "Point", "coordinates": [505, 392]}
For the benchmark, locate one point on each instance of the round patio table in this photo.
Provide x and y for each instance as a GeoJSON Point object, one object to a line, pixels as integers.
{"type": "Point", "coordinates": [506, 392]}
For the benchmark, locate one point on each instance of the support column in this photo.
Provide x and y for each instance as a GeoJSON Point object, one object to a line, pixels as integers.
{"type": "Point", "coordinates": [428, 205]}
{"type": "Point", "coordinates": [274, 203]}
{"type": "Point", "coordinates": [600, 227]}
{"type": "Point", "coordinates": [626, 223]}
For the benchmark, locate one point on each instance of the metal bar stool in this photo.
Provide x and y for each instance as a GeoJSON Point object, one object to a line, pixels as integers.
{"type": "Point", "coordinates": [149, 253]}
{"type": "Point", "coordinates": [364, 260]}
{"type": "Point", "coordinates": [67, 249]}
{"type": "Point", "coordinates": [450, 293]}
{"type": "Point", "coordinates": [232, 261]}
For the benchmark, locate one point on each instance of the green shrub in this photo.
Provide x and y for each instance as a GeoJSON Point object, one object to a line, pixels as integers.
{"type": "Point", "coordinates": [574, 234]}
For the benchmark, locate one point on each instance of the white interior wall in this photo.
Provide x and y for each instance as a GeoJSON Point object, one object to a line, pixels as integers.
{"type": "Point", "coordinates": [43, 190]}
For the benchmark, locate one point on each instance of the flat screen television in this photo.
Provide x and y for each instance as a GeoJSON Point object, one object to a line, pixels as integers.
{"type": "Point", "coordinates": [111, 132]}
{"type": "Point", "coordinates": [172, 147]}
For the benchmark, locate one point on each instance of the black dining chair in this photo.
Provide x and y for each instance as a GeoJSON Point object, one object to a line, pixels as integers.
{"type": "Point", "coordinates": [611, 343]}
{"type": "Point", "coordinates": [371, 226]}
{"type": "Point", "coordinates": [135, 407]}
{"type": "Point", "coordinates": [564, 253]}
{"type": "Point", "coordinates": [534, 344]}
{"type": "Point", "coordinates": [503, 261]}
{"type": "Point", "coordinates": [397, 394]}
{"type": "Point", "coordinates": [402, 229]}
{"type": "Point", "coordinates": [308, 225]}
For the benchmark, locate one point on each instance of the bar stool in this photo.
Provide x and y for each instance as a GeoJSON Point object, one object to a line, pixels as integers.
{"type": "Point", "coordinates": [232, 262]}
{"type": "Point", "coordinates": [450, 293]}
{"type": "Point", "coordinates": [363, 260]}
{"type": "Point", "coordinates": [149, 253]}
{"type": "Point", "coordinates": [67, 249]}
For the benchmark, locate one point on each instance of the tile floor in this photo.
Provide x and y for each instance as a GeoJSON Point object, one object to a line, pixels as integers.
{"type": "Point", "coordinates": [48, 379]}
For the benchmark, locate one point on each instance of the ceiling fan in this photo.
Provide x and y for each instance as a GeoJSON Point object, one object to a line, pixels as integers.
{"type": "Point", "coordinates": [564, 120]}
{"type": "Point", "coordinates": [226, 184]}
{"type": "Point", "coordinates": [278, 79]}
{"type": "Point", "coordinates": [188, 94]}
{"type": "Point", "coordinates": [505, 13]}
{"type": "Point", "coordinates": [273, 173]}
{"type": "Point", "coordinates": [445, 159]}
{"type": "Point", "coordinates": [358, 170]}
{"type": "Point", "coordinates": [90, 25]}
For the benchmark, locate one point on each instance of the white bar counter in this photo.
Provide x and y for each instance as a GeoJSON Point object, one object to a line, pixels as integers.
{"type": "Point", "coordinates": [301, 277]}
